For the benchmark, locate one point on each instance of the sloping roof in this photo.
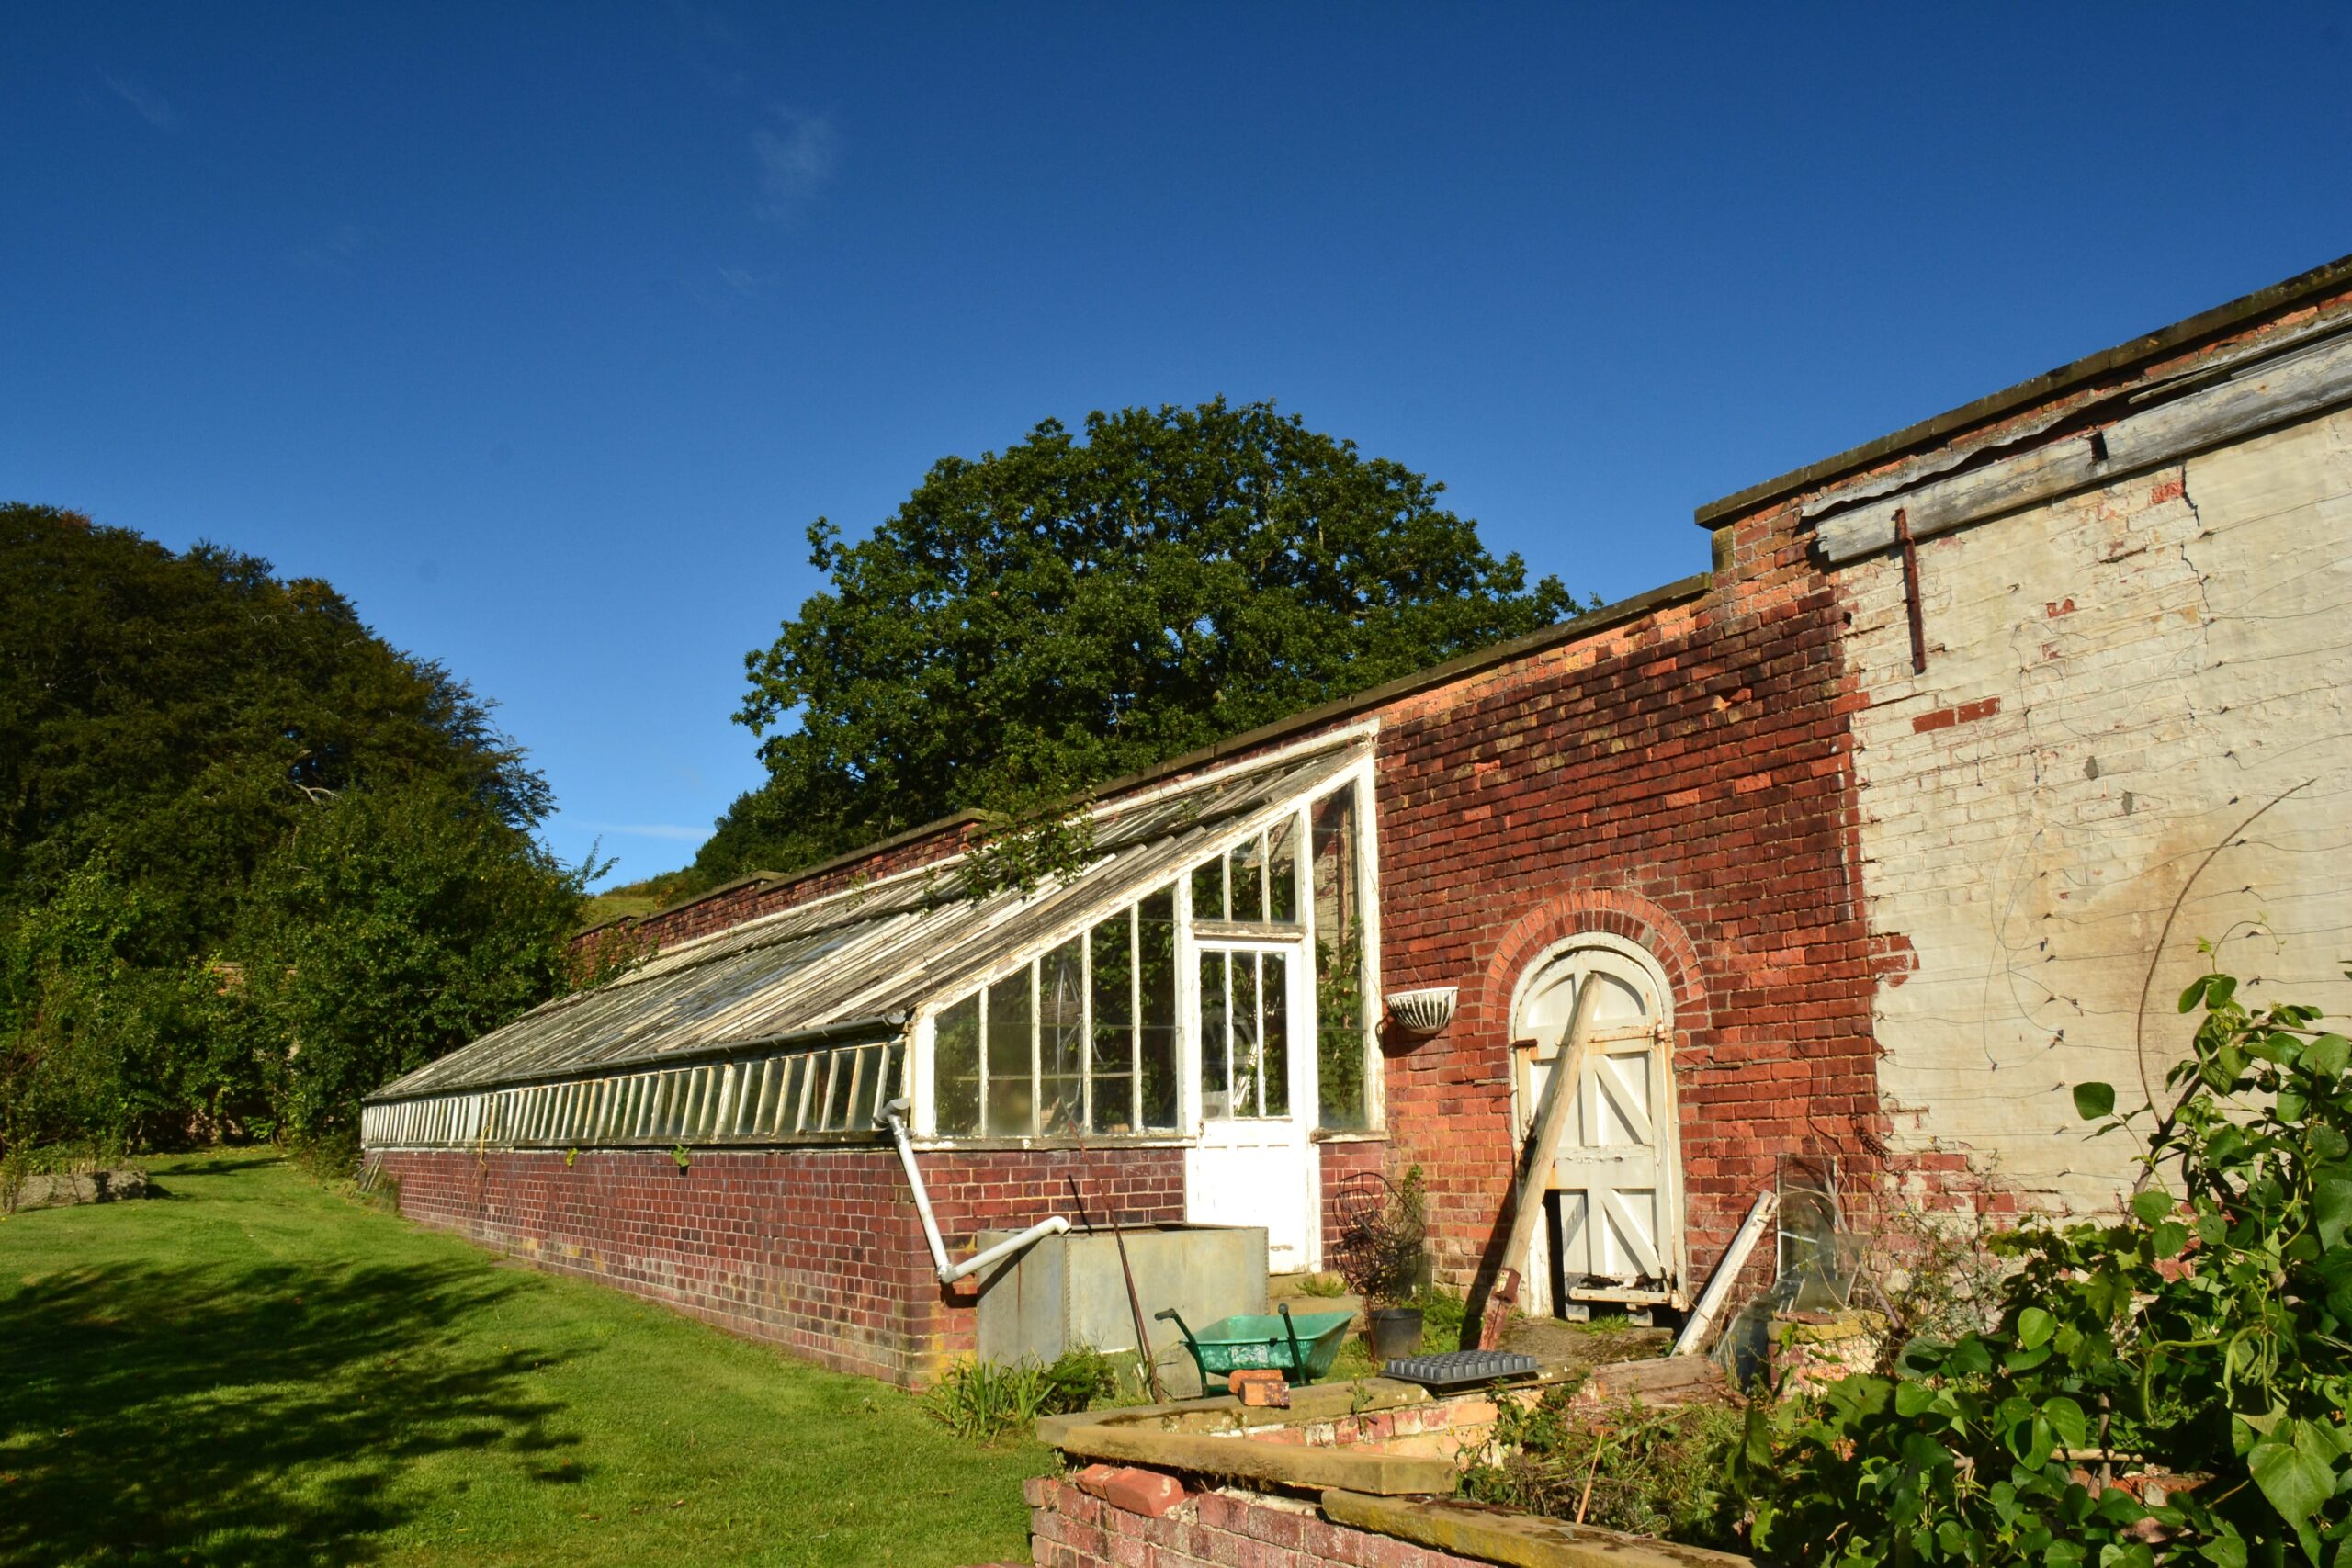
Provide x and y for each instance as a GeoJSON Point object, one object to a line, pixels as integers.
{"type": "Point", "coordinates": [855, 963]}
{"type": "Point", "coordinates": [2220, 320]}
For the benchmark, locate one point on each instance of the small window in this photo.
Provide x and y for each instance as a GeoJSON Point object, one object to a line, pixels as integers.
{"type": "Point", "coordinates": [1012, 1056]}
{"type": "Point", "coordinates": [1245, 1035]}
{"type": "Point", "coordinates": [1342, 1045]}
{"type": "Point", "coordinates": [1208, 892]}
{"type": "Point", "coordinates": [1255, 883]}
{"type": "Point", "coordinates": [1245, 879]}
{"type": "Point", "coordinates": [1061, 1039]}
{"type": "Point", "coordinates": [956, 1068]}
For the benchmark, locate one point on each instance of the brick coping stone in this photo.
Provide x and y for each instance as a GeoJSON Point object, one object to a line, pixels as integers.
{"type": "Point", "coordinates": [1507, 1536]}
{"type": "Point", "coordinates": [1185, 1483]}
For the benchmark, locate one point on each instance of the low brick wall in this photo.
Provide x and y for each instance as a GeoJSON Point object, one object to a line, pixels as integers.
{"type": "Point", "coordinates": [1212, 1530]}
{"type": "Point", "coordinates": [819, 1250]}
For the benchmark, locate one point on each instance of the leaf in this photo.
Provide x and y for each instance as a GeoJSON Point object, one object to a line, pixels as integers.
{"type": "Point", "coordinates": [2030, 1440]}
{"type": "Point", "coordinates": [2034, 1326]}
{"type": "Point", "coordinates": [2169, 1239]}
{"type": "Point", "coordinates": [2297, 1484]}
{"type": "Point", "coordinates": [2195, 994]}
{"type": "Point", "coordinates": [1913, 1399]}
{"type": "Point", "coordinates": [2025, 1360]}
{"type": "Point", "coordinates": [1968, 1358]}
{"type": "Point", "coordinates": [2326, 1055]}
{"type": "Point", "coordinates": [2331, 1204]}
{"type": "Point", "coordinates": [2224, 1551]}
{"type": "Point", "coordinates": [2152, 1205]}
{"type": "Point", "coordinates": [2066, 1420]}
{"type": "Point", "coordinates": [2221, 1071]}
{"type": "Point", "coordinates": [2094, 1101]}
{"type": "Point", "coordinates": [1756, 1444]}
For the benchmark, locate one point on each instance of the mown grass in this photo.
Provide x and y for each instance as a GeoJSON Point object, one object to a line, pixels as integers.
{"type": "Point", "coordinates": [254, 1370]}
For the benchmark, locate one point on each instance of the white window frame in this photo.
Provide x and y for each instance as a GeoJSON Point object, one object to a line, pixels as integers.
{"type": "Point", "coordinates": [1358, 777]}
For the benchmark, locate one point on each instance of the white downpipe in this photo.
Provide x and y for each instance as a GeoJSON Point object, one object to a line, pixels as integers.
{"type": "Point", "coordinates": [894, 1117]}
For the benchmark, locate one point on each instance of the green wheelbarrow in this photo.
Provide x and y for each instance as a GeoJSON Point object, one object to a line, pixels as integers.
{"type": "Point", "coordinates": [1301, 1347]}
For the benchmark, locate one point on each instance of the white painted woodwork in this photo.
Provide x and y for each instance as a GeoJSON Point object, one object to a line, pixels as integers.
{"type": "Point", "coordinates": [1262, 1170]}
{"type": "Point", "coordinates": [1617, 1172]}
{"type": "Point", "coordinates": [1259, 1170]}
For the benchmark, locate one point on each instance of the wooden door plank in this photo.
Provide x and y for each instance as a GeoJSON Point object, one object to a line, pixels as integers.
{"type": "Point", "coordinates": [1635, 1116]}
{"type": "Point", "coordinates": [1550, 1117]}
{"type": "Point", "coordinates": [1641, 1244]}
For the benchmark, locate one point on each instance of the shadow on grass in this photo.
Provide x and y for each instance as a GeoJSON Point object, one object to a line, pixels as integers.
{"type": "Point", "coordinates": [180, 1169]}
{"type": "Point", "coordinates": [257, 1416]}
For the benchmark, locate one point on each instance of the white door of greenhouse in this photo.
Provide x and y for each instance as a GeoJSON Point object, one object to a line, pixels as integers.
{"type": "Point", "coordinates": [1254, 1164]}
{"type": "Point", "coordinates": [1617, 1179]}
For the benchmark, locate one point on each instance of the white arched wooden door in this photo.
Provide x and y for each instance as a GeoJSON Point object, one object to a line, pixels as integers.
{"type": "Point", "coordinates": [1616, 1181]}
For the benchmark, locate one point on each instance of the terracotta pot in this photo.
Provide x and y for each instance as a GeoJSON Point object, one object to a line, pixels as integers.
{"type": "Point", "coordinates": [1395, 1332]}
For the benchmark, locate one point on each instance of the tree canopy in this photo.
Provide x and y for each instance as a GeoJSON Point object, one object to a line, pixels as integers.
{"type": "Point", "coordinates": [1034, 622]}
{"type": "Point", "coordinates": [253, 859]}
{"type": "Point", "coordinates": [179, 711]}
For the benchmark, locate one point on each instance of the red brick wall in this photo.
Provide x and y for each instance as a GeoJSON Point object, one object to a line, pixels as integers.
{"type": "Point", "coordinates": [820, 1250]}
{"type": "Point", "coordinates": [1210, 1530]}
{"type": "Point", "coordinates": [1682, 782]}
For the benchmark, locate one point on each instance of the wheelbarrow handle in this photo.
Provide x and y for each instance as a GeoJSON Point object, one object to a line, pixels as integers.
{"type": "Point", "coordinates": [1297, 1360]}
{"type": "Point", "coordinates": [1168, 1314]}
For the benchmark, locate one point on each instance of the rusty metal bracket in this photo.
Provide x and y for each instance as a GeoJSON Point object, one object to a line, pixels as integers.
{"type": "Point", "coordinates": [1911, 590]}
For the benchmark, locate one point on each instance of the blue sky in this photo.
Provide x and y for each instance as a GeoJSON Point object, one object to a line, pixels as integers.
{"type": "Point", "coordinates": [542, 332]}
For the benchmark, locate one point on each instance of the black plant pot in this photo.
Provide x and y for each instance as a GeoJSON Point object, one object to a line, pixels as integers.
{"type": "Point", "coordinates": [1396, 1333]}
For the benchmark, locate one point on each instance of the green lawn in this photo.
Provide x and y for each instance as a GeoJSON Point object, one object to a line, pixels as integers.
{"type": "Point", "coordinates": [254, 1370]}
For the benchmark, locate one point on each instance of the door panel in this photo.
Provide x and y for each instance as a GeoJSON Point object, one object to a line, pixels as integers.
{"type": "Point", "coordinates": [1615, 1175]}
{"type": "Point", "coordinates": [1254, 1164]}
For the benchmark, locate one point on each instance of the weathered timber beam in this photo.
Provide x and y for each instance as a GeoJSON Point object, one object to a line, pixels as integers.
{"type": "Point", "coordinates": [2260, 397]}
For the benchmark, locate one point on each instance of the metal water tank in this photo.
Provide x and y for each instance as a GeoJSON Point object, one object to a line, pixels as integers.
{"type": "Point", "coordinates": [1067, 1289]}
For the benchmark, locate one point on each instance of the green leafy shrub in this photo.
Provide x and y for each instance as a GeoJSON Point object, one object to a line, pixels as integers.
{"type": "Point", "coordinates": [1441, 1314]}
{"type": "Point", "coordinates": [1078, 1378]}
{"type": "Point", "coordinates": [389, 928]}
{"type": "Point", "coordinates": [983, 1401]}
{"type": "Point", "coordinates": [2206, 1335]}
{"type": "Point", "coordinates": [1658, 1473]}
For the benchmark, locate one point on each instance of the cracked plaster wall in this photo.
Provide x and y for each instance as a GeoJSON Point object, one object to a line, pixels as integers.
{"type": "Point", "coordinates": [2114, 683]}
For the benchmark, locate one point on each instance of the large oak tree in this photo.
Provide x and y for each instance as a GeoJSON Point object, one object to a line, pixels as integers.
{"type": "Point", "coordinates": [1043, 619]}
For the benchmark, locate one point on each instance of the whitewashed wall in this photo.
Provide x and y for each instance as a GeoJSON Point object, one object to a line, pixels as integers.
{"type": "Point", "coordinates": [2114, 681]}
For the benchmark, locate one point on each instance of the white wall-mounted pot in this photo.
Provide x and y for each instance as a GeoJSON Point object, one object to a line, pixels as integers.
{"type": "Point", "coordinates": [1422, 1013]}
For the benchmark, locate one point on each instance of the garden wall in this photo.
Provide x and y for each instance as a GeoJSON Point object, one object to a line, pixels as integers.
{"type": "Point", "coordinates": [1070, 1528]}
{"type": "Point", "coordinates": [820, 1250]}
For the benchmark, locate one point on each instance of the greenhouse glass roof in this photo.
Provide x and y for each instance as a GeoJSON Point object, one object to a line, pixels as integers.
{"type": "Point", "coordinates": [857, 963]}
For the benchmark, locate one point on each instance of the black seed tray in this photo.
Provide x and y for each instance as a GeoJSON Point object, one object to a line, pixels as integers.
{"type": "Point", "coordinates": [1460, 1368]}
